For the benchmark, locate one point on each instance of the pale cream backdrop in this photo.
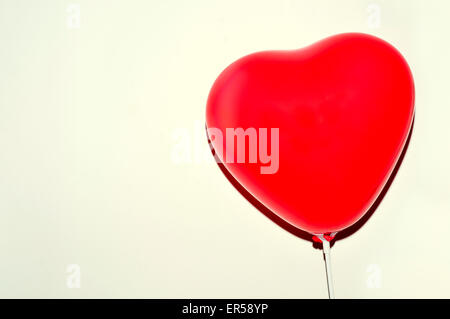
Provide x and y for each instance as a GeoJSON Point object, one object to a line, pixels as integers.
{"type": "Point", "coordinates": [99, 197]}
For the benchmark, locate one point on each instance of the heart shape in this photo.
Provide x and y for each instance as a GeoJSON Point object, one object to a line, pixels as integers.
{"type": "Point", "coordinates": [335, 116]}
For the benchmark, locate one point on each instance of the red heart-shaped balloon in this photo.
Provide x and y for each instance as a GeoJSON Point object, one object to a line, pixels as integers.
{"type": "Point", "coordinates": [335, 115]}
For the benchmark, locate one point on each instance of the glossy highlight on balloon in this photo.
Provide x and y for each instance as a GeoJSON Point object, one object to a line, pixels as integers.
{"type": "Point", "coordinates": [343, 108]}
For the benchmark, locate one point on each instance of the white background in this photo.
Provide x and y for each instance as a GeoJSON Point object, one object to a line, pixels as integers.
{"type": "Point", "coordinates": [91, 112]}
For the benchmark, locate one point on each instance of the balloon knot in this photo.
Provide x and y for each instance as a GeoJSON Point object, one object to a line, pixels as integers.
{"type": "Point", "coordinates": [327, 236]}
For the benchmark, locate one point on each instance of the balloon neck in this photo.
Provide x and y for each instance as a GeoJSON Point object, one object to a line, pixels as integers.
{"type": "Point", "coordinates": [318, 238]}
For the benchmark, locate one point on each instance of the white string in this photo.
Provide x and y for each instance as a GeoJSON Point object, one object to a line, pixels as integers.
{"type": "Point", "coordinates": [326, 254]}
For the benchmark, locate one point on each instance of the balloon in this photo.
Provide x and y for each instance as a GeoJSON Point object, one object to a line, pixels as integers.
{"type": "Point", "coordinates": [314, 133]}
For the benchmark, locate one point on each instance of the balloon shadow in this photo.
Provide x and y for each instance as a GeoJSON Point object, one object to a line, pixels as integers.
{"type": "Point", "coordinates": [356, 226]}
{"type": "Point", "coordinates": [301, 233]}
